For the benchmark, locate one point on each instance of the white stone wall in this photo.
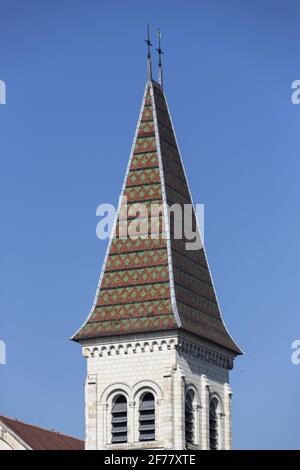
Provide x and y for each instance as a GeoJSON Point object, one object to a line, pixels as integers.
{"type": "Point", "coordinates": [164, 364]}
{"type": "Point", "coordinates": [208, 380]}
{"type": "Point", "coordinates": [10, 441]}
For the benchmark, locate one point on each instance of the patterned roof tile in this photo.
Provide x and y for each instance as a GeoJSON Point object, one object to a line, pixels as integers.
{"type": "Point", "coordinates": [135, 288]}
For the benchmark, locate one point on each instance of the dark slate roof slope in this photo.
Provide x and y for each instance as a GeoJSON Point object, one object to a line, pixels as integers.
{"type": "Point", "coordinates": [194, 291]}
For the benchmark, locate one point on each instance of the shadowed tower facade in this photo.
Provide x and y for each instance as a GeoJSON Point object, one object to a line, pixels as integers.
{"type": "Point", "coordinates": [158, 353]}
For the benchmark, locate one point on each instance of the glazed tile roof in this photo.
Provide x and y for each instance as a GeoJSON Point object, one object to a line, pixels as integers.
{"type": "Point", "coordinates": [41, 439]}
{"type": "Point", "coordinates": [152, 284]}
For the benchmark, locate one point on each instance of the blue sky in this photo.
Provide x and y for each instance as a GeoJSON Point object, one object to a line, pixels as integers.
{"type": "Point", "coordinates": [75, 73]}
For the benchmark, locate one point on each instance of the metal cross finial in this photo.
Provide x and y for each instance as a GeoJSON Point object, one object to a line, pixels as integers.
{"type": "Point", "coordinates": [160, 52]}
{"type": "Point", "coordinates": [149, 44]}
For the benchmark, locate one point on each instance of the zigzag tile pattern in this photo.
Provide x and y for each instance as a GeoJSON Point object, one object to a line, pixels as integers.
{"type": "Point", "coordinates": [135, 289]}
{"type": "Point", "coordinates": [135, 292]}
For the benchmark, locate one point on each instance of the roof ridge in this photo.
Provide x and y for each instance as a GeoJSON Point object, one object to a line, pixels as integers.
{"type": "Point", "coordinates": [15, 420]}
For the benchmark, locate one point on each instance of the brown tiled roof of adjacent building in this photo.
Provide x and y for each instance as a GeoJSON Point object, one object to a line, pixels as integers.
{"type": "Point", "coordinates": [41, 439]}
{"type": "Point", "coordinates": [151, 284]}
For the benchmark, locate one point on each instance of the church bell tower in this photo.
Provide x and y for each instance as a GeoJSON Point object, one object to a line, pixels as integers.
{"type": "Point", "coordinates": [158, 353]}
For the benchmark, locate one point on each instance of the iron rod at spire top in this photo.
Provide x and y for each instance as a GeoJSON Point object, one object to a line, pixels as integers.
{"type": "Point", "coordinates": [160, 53]}
{"type": "Point", "coordinates": [149, 44]}
{"type": "Point", "coordinates": [159, 50]}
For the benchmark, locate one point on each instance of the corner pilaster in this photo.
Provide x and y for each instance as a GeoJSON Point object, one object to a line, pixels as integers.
{"type": "Point", "coordinates": [204, 412]}
{"type": "Point", "coordinates": [227, 417]}
{"type": "Point", "coordinates": [91, 412]}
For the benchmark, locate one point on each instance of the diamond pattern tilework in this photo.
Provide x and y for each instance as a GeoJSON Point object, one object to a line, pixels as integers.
{"type": "Point", "coordinates": [145, 227]}
{"type": "Point", "coordinates": [136, 277]}
{"type": "Point", "coordinates": [124, 246]}
{"type": "Point", "coordinates": [146, 128]}
{"type": "Point", "coordinates": [135, 290]}
{"type": "Point", "coordinates": [140, 259]}
{"type": "Point", "coordinates": [121, 295]}
{"type": "Point", "coordinates": [143, 176]}
{"type": "Point", "coordinates": [137, 309]}
{"type": "Point", "coordinates": [144, 160]}
{"type": "Point", "coordinates": [145, 144]}
{"type": "Point", "coordinates": [143, 193]}
{"type": "Point", "coordinates": [129, 209]}
{"type": "Point", "coordinates": [126, 326]}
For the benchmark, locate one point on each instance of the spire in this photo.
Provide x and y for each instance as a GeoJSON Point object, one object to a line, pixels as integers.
{"type": "Point", "coordinates": [149, 44]}
{"type": "Point", "coordinates": [153, 283]}
{"type": "Point", "coordinates": [160, 52]}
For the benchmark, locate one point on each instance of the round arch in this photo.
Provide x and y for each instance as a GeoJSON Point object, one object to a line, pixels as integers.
{"type": "Point", "coordinates": [147, 386]}
{"type": "Point", "coordinates": [114, 389]}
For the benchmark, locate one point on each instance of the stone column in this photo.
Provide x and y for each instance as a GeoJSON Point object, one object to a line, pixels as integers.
{"type": "Point", "coordinates": [91, 412]}
{"type": "Point", "coordinates": [227, 417]}
{"type": "Point", "coordinates": [204, 414]}
{"type": "Point", "coordinates": [131, 423]}
{"type": "Point", "coordinates": [167, 432]}
{"type": "Point", "coordinates": [179, 409]}
{"type": "Point", "coordinates": [220, 428]}
{"type": "Point", "coordinates": [102, 425]}
{"type": "Point", "coordinates": [197, 410]}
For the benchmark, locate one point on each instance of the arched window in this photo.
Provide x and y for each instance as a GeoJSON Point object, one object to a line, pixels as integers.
{"type": "Point", "coordinates": [189, 417]}
{"type": "Point", "coordinates": [119, 419]}
{"type": "Point", "coordinates": [147, 417]}
{"type": "Point", "coordinates": [213, 424]}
